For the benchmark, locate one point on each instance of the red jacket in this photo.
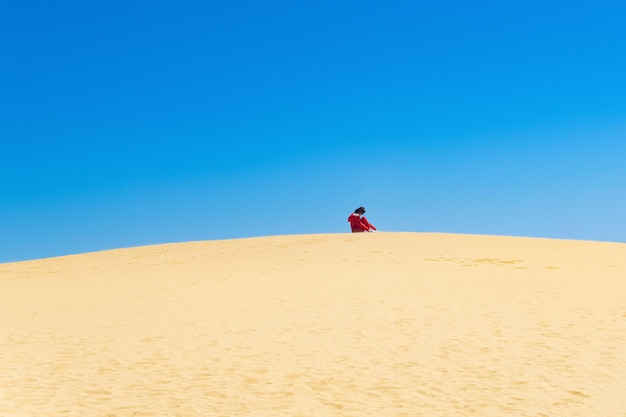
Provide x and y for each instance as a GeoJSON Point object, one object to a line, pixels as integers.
{"type": "Point", "coordinates": [359, 223]}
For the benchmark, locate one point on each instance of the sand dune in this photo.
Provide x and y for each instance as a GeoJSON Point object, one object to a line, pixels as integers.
{"type": "Point", "coordinates": [387, 324]}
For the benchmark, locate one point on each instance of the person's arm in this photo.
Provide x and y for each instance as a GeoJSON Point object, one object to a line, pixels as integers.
{"type": "Point", "coordinates": [367, 225]}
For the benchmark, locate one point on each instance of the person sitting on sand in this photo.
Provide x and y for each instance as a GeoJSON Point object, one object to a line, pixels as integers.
{"type": "Point", "coordinates": [359, 223]}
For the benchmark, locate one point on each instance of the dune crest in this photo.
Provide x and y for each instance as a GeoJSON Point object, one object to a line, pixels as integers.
{"type": "Point", "coordinates": [387, 324]}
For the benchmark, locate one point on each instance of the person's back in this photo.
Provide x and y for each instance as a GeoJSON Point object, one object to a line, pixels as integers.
{"type": "Point", "coordinates": [358, 222]}
{"type": "Point", "coordinates": [355, 223]}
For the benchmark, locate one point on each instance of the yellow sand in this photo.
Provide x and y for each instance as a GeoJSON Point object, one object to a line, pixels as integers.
{"type": "Point", "coordinates": [387, 324]}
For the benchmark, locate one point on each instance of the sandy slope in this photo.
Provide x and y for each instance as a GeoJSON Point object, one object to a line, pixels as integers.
{"type": "Point", "coordinates": [388, 324]}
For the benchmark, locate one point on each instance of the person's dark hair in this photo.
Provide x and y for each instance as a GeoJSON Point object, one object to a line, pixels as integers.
{"type": "Point", "coordinates": [360, 210]}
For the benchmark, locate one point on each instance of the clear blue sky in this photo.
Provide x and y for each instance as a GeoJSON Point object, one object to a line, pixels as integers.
{"type": "Point", "coordinates": [131, 123]}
